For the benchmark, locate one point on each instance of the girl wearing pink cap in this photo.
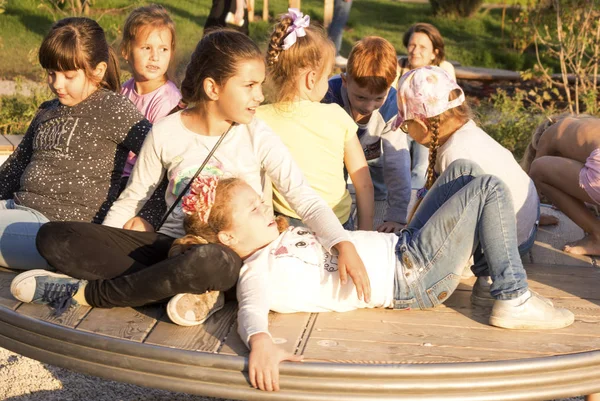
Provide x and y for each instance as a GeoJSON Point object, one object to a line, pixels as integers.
{"type": "Point", "coordinates": [564, 163]}
{"type": "Point", "coordinates": [432, 110]}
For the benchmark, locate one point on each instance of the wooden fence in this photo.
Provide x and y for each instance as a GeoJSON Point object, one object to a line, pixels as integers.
{"type": "Point", "coordinates": [327, 12]}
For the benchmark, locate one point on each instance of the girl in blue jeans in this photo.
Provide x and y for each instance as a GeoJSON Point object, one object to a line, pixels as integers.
{"type": "Point", "coordinates": [286, 270]}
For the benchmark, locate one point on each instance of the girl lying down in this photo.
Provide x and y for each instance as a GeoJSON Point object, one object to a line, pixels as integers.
{"type": "Point", "coordinates": [286, 269]}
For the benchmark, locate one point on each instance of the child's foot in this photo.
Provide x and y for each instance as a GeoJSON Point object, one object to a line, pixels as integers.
{"type": "Point", "coordinates": [529, 311]}
{"type": "Point", "coordinates": [588, 245]}
{"type": "Point", "coordinates": [194, 309]}
{"type": "Point", "coordinates": [482, 297]}
{"type": "Point", "coordinates": [548, 220]}
{"type": "Point", "coordinates": [47, 288]}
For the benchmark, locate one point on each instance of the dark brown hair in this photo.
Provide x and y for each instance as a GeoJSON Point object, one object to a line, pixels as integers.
{"type": "Point", "coordinates": [79, 43]}
{"type": "Point", "coordinates": [219, 219]}
{"type": "Point", "coordinates": [372, 64]}
{"type": "Point", "coordinates": [155, 16]}
{"type": "Point", "coordinates": [433, 34]}
{"type": "Point", "coordinates": [312, 51]}
{"type": "Point", "coordinates": [216, 56]}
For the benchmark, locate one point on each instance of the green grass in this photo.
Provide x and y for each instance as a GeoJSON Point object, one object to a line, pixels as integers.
{"type": "Point", "coordinates": [477, 41]}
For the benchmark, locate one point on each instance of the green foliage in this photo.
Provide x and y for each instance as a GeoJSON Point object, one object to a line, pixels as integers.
{"type": "Point", "coordinates": [459, 8]}
{"type": "Point", "coordinates": [2, 6]}
{"type": "Point", "coordinates": [505, 118]}
{"type": "Point", "coordinates": [17, 111]}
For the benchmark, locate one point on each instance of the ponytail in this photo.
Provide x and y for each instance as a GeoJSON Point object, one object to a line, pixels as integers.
{"type": "Point", "coordinates": [434, 124]}
{"type": "Point", "coordinates": [112, 76]}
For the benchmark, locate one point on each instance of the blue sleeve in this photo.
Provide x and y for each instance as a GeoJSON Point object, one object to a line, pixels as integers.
{"type": "Point", "coordinates": [334, 93]}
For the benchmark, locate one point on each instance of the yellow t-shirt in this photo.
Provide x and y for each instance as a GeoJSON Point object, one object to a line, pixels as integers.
{"type": "Point", "coordinates": [316, 134]}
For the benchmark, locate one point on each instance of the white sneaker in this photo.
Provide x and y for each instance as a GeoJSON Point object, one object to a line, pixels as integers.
{"type": "Point", "coordinates": [341, 61]}
{"type": "Point", "coordinates": [529, 311]}
{"type": "Point", "coordinates": [194, 309]}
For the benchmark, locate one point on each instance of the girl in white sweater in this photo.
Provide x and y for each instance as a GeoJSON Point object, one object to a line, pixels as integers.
{"type": "Point", "coordinates": [287, 270]}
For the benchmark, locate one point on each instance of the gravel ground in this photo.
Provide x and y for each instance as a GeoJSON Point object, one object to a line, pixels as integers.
{"type": "Point", "coordinates": [24, 379]}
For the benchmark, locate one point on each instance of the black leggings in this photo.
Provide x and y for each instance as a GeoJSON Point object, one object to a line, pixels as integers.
{"type": "Point", "coordinates": [131, 268]}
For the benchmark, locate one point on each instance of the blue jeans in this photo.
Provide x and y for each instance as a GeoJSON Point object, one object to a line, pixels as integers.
{"type": "Point", "coordinates": [377, 177]}
{"type": "Point", "coordinates": [463, 209]}
{"type": "Point", "coordinates": [419, 161]}
{"type": "Point", "coordinates": [341, 13]}
{"type": "Point", "coordinates": [19, 226]}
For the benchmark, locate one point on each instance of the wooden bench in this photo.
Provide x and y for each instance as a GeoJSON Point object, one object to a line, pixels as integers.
{"type": "Point", "coordinates": [448, 352]}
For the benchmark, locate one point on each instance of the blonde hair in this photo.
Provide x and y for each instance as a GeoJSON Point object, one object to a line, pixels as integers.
{"type": "Point", "coordinates": [372, 64]}
{"type": "Point", "coordinates": [312, 51]}
{"type": "Point", "coordinates": [531, 149]}
{"type": "Point", "coordinates": [219, 219]}
{"type": "Point", "coordinates": [461, 113]}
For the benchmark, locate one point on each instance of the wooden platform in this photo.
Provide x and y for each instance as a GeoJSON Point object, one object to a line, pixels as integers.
{"type": "Point", "coordinates": [365, 354]}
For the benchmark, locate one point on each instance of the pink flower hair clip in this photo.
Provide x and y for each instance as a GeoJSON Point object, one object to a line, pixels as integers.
{"type": "Point", "coordinates": [201, 197]}
{"type": "Point", "coordinates": [296, 30]}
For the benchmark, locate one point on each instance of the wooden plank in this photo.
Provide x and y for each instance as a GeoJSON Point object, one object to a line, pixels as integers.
{"type": "Point", "coordinates": [551, 239]}
{"type": "Point", "coordinates": [328, 12]}
{"type": "Point", "coordinates": [486, 74]}
{"type": "Point", "coordinates": [294, 4]}
{"type": "Point", "coordinates": [15, 140]}
{"type": "Point", "coordinates": [287, 330]}
{"type": "Point", "coordinates": [5, 144]}
{"type": "Point", "coordinates": [70, 318]}
{"type": "Point", "coordinates": [265, 12]}
{"type": "Point", "coordinates": [6, 298]}
{"type": "Point", "coordinates": [250, 7]}
{"type": "Point", "coordinates": [126, 323]}
{"type": "Point", "coordinates": [206, 337]}
{"type": "Point", "coordinates": [439, 335]}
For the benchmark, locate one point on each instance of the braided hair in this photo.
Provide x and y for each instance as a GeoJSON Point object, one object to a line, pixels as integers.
{"type": "Point", "coordinates": [314, 51]}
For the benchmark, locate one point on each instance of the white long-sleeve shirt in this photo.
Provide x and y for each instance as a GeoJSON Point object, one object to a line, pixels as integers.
{"type": "Point", "coordinates": [247, 152]}
{"type": "Point", "coordinates": [472, 143]}
{"type": "Point", "coordinates": [295, 274]}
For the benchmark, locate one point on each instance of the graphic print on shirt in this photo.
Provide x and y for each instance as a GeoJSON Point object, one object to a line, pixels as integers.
{"type": "Point", "coordinates": [180, 177]}
{"type": "Point", "coordinates": [51, 135]}
{"type": "Point", "coordinates": [302, 244]}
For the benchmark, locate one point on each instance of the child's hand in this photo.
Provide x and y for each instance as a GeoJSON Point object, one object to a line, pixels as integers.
{"type": "Point", "coordinates": [349, 262]}
{"type": "Point", "coordinates": [390, 227]}
{"type": "Point", "coordinates": [138, 224]}
{"type": "Point", "coordinates": [263, 364]}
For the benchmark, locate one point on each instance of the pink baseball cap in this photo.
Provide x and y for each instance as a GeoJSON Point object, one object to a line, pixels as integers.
{"type": "Point", "coordinates": [423, 93]}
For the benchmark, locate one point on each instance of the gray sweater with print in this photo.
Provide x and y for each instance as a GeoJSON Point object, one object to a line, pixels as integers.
{"type": "Point", "coordinates": [70, 162]}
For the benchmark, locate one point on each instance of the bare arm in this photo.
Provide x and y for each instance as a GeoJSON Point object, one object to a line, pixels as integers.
{"type": "Point", "coordinates": [356, 164]}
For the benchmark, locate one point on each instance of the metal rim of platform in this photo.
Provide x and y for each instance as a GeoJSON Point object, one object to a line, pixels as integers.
{"type": "Point", "coordinates": [218, 375]}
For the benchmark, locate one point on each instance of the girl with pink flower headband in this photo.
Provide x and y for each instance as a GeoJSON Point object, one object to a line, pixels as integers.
{"type": "Point", "coordinates": [321, 137]}
{"type": "Point", "coordinates": [432, 109]}
{"type": "Point", "coordinates": [124, 262]}
{"type": "Point", "coordinates": [287, 270]}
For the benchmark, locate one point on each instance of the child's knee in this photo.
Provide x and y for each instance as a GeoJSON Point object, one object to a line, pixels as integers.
{"type": "Point", "coordinates": [219, 264]}
{"type": "Point", "coordinates": [538, 170]}
{"type": "Point", "coordinates": [467, 167]}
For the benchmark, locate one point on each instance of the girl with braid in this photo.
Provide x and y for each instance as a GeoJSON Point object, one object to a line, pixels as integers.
{"type": "Point", "coordinates": [321, 137]}
{"type": "Point", "coordinates": [433, 111]}
{"type": "Point", "coordinates": [124, 262]}
{"type": "Point", "coordinates": [286, 269]}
